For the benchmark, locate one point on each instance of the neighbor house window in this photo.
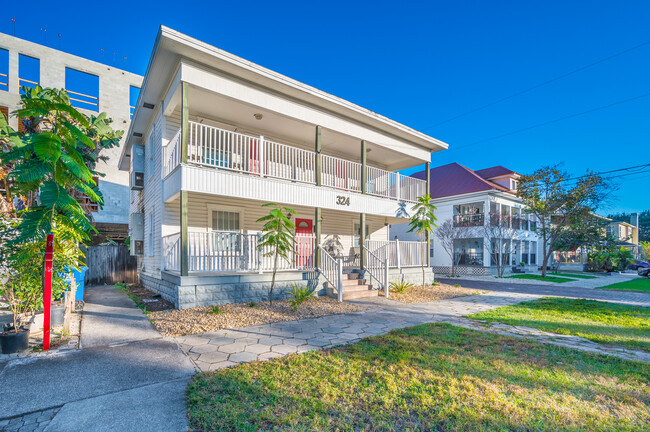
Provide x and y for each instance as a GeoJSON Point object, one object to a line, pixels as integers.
{"type": "Point", "coordinates": [533, 253]}
{"type": "Point", "coordinates": [514, 184]}
{"type": "Point", "coordinates": [150, 235]}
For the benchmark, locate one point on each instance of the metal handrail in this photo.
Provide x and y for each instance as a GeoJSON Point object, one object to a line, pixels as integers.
{"type": "Point", "coordinates": [382, 278]}
{"type": "Point", "coordinates": [332, 270]}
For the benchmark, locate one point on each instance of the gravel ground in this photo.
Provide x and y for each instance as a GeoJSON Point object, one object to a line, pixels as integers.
{"type": "Point", "coordinates": [419, 294]}
{"type": "Point", "coordinates": [181, 322]}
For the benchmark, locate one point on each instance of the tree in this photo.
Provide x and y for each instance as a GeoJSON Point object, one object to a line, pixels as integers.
{"type": "Point", "coordinates": [277, 237]}
{"type": "Point", "coordinates": [644, 247]}
{"type": "Point", "coordinates": [558, 202]}
{"type": "Point", "coordinates": [46, 167]}
{"type": "Point", "coordinates": [501, 236]}
{"type": "Point", "coordinates": [422, 223]}
{"type": "Point", "coordinates": [447, 233]}
{"type": "Point", "coordinates": [585, 233]}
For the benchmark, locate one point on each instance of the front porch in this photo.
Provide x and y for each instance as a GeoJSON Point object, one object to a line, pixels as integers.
{"type": "Point", "coordinates": [223, 253]}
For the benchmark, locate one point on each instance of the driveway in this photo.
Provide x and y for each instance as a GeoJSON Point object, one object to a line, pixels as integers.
{"type": "Point", "coordinates": [125, 377]}
{"type": "Point", "coordinates": [559, 290]}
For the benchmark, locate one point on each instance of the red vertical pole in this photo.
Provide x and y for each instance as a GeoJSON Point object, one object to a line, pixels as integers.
{"type": "Point", "coordinates": [47, 290]}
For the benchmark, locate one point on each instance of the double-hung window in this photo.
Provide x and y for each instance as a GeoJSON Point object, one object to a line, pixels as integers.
{"type": "Point", "coordinates": [225, 226]}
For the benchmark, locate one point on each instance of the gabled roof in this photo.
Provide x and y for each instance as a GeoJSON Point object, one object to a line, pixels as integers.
{"type": "Point", "coordinates": [497, 171]}
{"type": "Point", "coordinates": [455, 179]}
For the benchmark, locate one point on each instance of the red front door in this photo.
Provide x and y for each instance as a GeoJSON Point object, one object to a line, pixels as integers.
{"type": "Point", "coordinates": [304, 242]}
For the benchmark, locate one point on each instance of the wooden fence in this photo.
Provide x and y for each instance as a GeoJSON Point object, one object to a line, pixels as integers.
{"type": "Point", "coordinates": [109, 265]}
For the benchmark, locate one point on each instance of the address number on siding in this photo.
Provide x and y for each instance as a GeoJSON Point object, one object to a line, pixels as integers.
{"type": "Point", "coordinates": [342, 200]}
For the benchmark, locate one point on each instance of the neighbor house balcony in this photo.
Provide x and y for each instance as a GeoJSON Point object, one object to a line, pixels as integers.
{"type": "Point", "coordinates": [224, 162]}
{"type": "Point", "coordinates": [469, 220]}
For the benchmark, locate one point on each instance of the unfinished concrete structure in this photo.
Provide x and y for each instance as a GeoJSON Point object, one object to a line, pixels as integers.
{"type": "Point", "coordinates": [112, 97]}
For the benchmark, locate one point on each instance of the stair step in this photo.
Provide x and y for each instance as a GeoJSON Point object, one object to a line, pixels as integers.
{"type": "Point", "coordinates": [353, 282]}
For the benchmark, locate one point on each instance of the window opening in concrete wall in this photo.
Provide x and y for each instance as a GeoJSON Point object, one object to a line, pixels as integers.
{"type": "Point", "coordinates": [83, 89]}
{"type": "Point", "coordinates": [29, 71]}
{"type": "Point", "coordinates": [134, 92]}
{"type": "Point", "coordinates": [4, 70]}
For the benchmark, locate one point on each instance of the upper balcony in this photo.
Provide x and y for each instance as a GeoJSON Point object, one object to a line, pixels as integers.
{"type": "Point", "coordinates": [220, 152]}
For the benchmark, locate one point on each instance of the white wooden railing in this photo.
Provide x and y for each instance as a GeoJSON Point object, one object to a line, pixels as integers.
{"type": "Point", "coordinates": [171, 155]}
{"type": "Point", "coordinates": [172, 252]}
{"type": "Point", "coordinates": [220, 148]}
{"type": "Point", "coordinates": [400, 253]}
{"type": "Point", "coordinates": [218, 252]}
{"type": "Point", "coordinates": [332, 270]}
{"type": "Point", "coordinates": [377, 267]}
{"type": "Point", "coordinates": [340, 173]}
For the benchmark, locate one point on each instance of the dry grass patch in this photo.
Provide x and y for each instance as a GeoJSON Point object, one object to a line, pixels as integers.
{"type": "Point", "coordinates": [180, 322]}
{"type": "Point", "coordinates": [420, 294]}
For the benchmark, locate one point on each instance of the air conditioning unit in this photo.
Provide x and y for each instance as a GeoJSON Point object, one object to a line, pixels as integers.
{"type": "Point", "coordinates": [136, 233]}
{"type": "Point", "coordinates": [137, 167]}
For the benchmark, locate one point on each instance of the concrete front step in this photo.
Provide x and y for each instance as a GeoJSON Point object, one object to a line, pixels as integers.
{"type": "Point", "coordinates": [353, 291]}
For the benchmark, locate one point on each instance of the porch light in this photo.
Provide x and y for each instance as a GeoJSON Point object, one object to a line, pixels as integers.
{"type": "Point", "coordinates": [258, 116]}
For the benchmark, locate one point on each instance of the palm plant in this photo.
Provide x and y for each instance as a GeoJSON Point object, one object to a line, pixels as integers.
{"type": "Point", "coordinates": [49, 165]}
{"type": "Point", "coordinates": [277, 237]}
{"type": "Point", "coordinates": [422, 223]}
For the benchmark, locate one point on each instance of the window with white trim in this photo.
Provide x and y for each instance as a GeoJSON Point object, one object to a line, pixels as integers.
{"type": "Point", "coordinates": [225, 221]}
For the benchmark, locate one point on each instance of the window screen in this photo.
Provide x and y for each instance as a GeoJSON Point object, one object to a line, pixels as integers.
{"type": "Point", "coordinates": [225, 221]}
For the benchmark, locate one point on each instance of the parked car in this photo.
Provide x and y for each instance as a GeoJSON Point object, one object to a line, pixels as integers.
{"type": "Point", "coordinates": [644, 271]}
{"type": "Point", "coordinates": [637, 264]}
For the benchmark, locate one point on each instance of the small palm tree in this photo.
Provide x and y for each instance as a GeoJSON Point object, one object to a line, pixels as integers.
{"type": "Point", "coordinates": [278, 236]}
{"type": "Point", "coordinates": [423, 223]}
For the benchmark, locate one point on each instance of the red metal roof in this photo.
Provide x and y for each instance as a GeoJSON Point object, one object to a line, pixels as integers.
{"type": "Point", "coordinates": [455, 179]}
{"type": "Point", "coordinates": [488, 173]}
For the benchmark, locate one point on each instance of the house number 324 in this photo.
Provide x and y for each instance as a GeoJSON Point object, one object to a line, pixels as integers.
{"type": "Point", "coordinates": [342, 200]}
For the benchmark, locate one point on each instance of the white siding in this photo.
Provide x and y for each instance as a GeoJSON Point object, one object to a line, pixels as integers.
{"type": "Point", "coordinates": [151, 265]}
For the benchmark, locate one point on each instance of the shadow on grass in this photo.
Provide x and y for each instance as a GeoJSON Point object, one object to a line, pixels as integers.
{"type": "Point", "coordinates": [429, 377]}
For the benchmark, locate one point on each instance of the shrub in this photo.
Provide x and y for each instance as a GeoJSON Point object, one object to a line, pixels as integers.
{"type": "Point", "coordinates": [216, 310]}
{"type": "Point", "coordinates": [252, 304]}
{"type": "Point", "coordinates": [300, 294]}
{"type": "Point", "coordinates": [456, 285]}
{"type": "Point", "coordinates": [400, 286]}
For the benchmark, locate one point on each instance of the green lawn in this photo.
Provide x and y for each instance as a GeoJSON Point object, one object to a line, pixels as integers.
{"type": "Point", "coordinates": [639, 284]}
{"type": "Point", "coordinates": [429, 377]}
{"type": "Point", "coordinates": [574, 275]}
{"type": "Point", "coordinates": [540, 278]}
{"type": "Point", "coordinates": [601, 322]}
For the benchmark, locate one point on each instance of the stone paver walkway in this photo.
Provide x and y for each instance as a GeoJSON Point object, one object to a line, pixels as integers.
{"type": "Point", "coordinates": [566, 341]}
{"type": "Point", "coordinates": [212, 351]}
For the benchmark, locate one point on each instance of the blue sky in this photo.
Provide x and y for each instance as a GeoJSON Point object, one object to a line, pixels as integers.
{"type": "Point", "coordinates": [420, 63]}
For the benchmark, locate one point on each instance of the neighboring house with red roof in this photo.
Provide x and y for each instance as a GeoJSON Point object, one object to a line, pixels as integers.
{"type": "Point", "coordinates": [475, 201]}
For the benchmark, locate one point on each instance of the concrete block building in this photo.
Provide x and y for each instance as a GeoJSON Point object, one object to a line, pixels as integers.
{"type": "Point", "coordinates": [93, 87]}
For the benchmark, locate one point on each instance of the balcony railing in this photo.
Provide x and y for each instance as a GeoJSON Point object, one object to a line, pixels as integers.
{"type": "Point", "coordinates": [220, 148]}
{"type": "Point", "coordinates": [469, 258]}
{"type": "Point", "coordinates": [469, 220]}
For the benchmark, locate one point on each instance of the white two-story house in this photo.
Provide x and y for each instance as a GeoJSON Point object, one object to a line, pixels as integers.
{"type": "Point", "coordinates": [489, 221]}
{"type": "Point", "coordinates": [215, 136]}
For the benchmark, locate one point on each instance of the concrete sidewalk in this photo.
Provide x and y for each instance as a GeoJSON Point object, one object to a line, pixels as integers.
{"type": "Point", "coordinates": [126, 377]}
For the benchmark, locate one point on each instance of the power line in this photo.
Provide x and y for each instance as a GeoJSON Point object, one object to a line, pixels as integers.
{"type": "Point", "coordinates": [542, 84]}
{"type": "Point", "coordinates": [641, 167]}
{"type": "Point", "coordinates": [552, 121]}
